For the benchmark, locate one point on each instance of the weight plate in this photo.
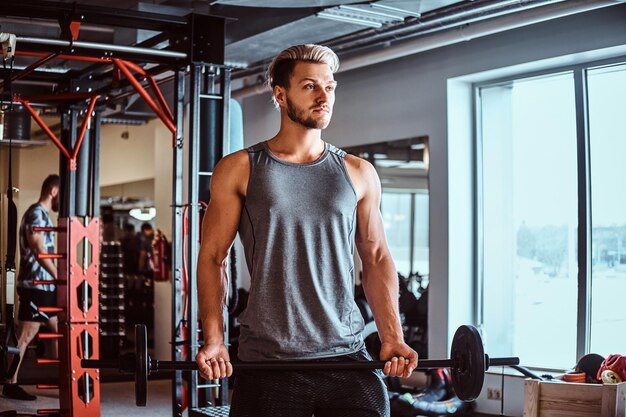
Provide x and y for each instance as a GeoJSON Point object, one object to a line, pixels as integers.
{"type": "Point", "coordinates": [468, 358]}
{"type": "Point", "coordinates": [141, 371]}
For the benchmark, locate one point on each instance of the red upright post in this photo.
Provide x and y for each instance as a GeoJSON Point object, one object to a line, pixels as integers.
{"type": "Point", "coordinates": [79, 389]}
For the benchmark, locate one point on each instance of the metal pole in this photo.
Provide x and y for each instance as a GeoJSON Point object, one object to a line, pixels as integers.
{"type": "Point", "coordinates": [583, 320]}
{"type": "Point", "coordinates": [194, 220]}
{"type": "Point", "coordinates": [102, 47]}
{"type": "Point", "coordinates": [225, 93]}
{"type": "Point", "coordinates": [177, 261]}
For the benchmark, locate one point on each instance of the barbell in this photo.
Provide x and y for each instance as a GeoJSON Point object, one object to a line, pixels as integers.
{"type": "Point", "coordinates": [468, 363]}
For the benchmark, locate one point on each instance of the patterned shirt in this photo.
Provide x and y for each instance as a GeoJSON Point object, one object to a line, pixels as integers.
{"type": "Point", "coordinates": [30, 268]}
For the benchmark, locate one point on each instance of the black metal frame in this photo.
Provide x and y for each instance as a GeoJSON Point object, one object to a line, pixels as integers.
{"type": "Point", "coordinates": [199, 43]}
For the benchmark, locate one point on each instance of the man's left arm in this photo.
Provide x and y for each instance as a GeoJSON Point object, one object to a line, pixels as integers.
{"type": "Point", "coordinates": [380, 279]}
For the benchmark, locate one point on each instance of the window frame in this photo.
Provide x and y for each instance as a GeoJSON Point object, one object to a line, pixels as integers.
{"type": "Point", "coordinates": [584, 252]}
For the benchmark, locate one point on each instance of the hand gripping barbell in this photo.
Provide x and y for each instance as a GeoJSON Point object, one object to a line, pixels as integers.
{"type": "Point", "coordinates": [468, 363]}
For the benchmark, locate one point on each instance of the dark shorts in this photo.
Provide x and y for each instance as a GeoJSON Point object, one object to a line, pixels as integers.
{"type": "Point", "coordinates": [31, 300]}
{"type": "Point", "coordinates": [304, 393]}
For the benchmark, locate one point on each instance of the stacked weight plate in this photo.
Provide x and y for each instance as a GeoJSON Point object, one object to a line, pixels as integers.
{"type": "Point", "coordinates": [112, 310]}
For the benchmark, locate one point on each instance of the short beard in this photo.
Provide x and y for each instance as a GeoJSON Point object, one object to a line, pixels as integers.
{"type": "Point", "coordinates": [296, 116]}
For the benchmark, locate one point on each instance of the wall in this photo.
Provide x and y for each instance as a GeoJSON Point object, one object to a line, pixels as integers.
{"type": "Point", "coordinates": [127, 160]}
{"type": "Point", "coordinates": [430, 94]}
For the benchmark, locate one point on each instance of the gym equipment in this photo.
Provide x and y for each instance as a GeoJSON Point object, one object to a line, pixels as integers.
{"type": "Point", "coordinates": [9, 352]}
{"type": "Point", "coordinates": [467, 362]}
{"type": "Point", "coordinates": [590, 364]}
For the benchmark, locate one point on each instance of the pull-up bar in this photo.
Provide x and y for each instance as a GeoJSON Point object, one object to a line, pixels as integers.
{"type": "Point", "coordinates": [103, 47]}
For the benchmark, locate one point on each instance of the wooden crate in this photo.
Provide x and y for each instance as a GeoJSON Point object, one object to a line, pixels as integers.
{"type": "Point", "coordinates": [554, 399]}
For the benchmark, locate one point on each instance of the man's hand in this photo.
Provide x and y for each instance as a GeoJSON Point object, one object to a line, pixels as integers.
{"type": "Point", "coordinates": [214, 362]}
{"type": "Point", "coordinates": [401, 359]}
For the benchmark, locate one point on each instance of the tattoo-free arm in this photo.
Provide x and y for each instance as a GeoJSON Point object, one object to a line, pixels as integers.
{"type": "Point", "coordinates": [380, 278]}
{"type": "Point", "coordinates": [36, 245]}
{"type": "Point", "coordinates": [219, 228]}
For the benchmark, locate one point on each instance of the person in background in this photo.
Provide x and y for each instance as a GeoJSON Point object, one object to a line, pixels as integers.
{"type": "Point", "coordinates": [145, 249]}
{"type": "Point", "coordinates": [31, 295]}
{"type": "Point", "coordinates": [130, 250]}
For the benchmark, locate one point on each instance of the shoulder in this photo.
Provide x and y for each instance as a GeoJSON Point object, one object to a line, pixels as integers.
{"type": "Point", "coordinates": [363, 176]}
{"type": "Point", "coordinates": [233, 162]}
{"type": "Point", "coordinates": [35, 212]}
{"type": "Point", "coordinates": [361, 167]}
{"type": "Point", "coordinates": [232, 172]}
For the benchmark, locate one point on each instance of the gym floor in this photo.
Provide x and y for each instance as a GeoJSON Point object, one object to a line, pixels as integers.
{"type": "Point", "coordinates": [117, 399]}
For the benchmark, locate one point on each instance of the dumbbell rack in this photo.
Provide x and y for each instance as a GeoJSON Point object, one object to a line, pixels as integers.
{"type": "Point", "coordinates": [112, 300]}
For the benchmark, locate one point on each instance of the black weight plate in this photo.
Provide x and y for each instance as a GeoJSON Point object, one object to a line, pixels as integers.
{"type": "Point", "coordinates": [141, 370]}
{"type": "Point", "coordinates": [468, 359]}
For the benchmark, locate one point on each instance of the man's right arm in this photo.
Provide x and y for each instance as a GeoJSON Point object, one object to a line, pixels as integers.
{"type": "Point", "coordinates": [36, 245]}
{"type": "Point", "coordinates": [219, 227]}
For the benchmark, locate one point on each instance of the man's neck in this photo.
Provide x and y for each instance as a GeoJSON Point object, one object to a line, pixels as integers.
{"type": "Point", "coordinates": [46, 203]}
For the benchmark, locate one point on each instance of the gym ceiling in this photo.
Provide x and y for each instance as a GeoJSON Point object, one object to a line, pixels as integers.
{"type": "Point", "coordinates": [258, 30]}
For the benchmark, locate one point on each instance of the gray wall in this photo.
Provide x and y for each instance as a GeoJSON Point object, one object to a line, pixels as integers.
{"type": "Point", "coordinates": [408, 97]}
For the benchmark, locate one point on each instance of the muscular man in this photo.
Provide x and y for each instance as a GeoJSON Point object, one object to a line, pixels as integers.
{"type": "Point", "coordinates": [32, 296]}
{"type": "Point", "coordinates": [300, 205]}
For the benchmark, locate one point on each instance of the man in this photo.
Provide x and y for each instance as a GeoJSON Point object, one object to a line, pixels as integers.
{"type": "Point", "coordinates": [300, 205]}
{"type": "Point", "coordinates": [145, 249]}
{"type": "Point", "coordinates": [130, 250]}
{"type": "Point", "coordinates": [32, 296]}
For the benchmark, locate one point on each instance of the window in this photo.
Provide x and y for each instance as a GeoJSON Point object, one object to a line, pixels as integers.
{"type": "Point", "coordinates": [607, 131]}
{"type": "Point", "coordinates": [530, 185]}
{"type": "Point", "coordinates": [405, 218]}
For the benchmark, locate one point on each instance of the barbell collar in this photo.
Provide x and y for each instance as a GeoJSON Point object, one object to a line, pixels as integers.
{"type": "Point", "coordinates": [506, 361]}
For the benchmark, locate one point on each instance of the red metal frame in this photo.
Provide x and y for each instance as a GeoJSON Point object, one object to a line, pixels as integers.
{"type": "Point", "coordinates": [71, 57]}
{"type": "Point", "coordinates": [32, 67]}
{"type": "Point", "coordinates": [75, 320]}
{"type": "Point", "coordinates": [160, 108]}
{"type": "Point", "coordinates": [61, 97]}
{"type": "Point", "coordinates": [44, 127]}
{"type": "Point", "coordinates": [50, 309]}
{"type": "Point", "coordinates": [46, 361]}
{"type": "Point", "coordinates": [57, 142]}
{"type": "Point", "coordinates": [50, 256]}
{"type": "Point", "coordinates": [47, 386]}
{"type": "Point", "coordinates": [74, 29]}
{"type": "Point", "coordinates": [48, 282]}
{"type": "Point", "coordinates": [41, 335]}
{"type": "Point", "coordinates": [169, 122]}
{"type": "Point", "coordinates": [160, 97]}
{"type": "Point", "coordinates": [45, 229]}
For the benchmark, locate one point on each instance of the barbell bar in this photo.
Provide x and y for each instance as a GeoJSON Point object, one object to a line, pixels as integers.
{"type": "Point", "coordinates": [468, 363]}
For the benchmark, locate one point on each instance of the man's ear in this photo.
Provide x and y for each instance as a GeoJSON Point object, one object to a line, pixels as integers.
{"type": "Point", "coordinates": [54, 191]}
{"type": "Point", "coordinates": [280, 94]}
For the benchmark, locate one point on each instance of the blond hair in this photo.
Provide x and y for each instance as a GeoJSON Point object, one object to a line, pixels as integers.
{"type": "Point", "coordinates": [281, 67]}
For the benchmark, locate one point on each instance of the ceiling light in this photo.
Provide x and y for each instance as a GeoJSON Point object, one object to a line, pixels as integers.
{"type": "Point", "coordinates": [330, 14]}
{"type": "Point", "coordinates": [395, 9]}
{"type": "Point", "coordinates": [143, 214]}
{"type": "Point", "coordinates": [385, 16]}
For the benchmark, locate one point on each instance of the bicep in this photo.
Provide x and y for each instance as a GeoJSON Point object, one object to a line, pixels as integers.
{"type": "Point", "coordinates": [370, 233]}
{"type": "Point", "coordinates": [35, 241]}
{"type": "Point", "coordinates": [221, 219]}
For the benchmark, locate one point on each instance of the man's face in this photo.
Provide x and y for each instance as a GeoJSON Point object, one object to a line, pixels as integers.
{"type": "Point", "coordinates": [310, 97]}
{"type": "Point", "coordinates": [55, 199]}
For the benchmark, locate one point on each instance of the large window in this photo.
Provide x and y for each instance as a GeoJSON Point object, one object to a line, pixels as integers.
{"type": "Point", "coordinates": [607, 129]}
{"type": "Point", "coordinates": [532, 179]}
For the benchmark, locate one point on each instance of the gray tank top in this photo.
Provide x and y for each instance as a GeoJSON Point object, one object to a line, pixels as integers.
{"type": "Point", "coordinates": [297, 228]}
